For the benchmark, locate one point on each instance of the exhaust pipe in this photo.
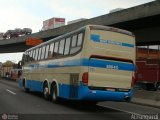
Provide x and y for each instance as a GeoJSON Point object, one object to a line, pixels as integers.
{"type": "Point", "coordinates": [127, 99]}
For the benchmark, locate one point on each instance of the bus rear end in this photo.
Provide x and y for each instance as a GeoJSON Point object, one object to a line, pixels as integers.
{"type": "Point", "coordinates": [110, 54]}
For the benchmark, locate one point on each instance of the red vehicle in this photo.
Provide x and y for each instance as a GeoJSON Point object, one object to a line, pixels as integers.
{"type": "Point", "coordinates": [148, 75]}
{"type": "Point", "coordinates": [15, 73]}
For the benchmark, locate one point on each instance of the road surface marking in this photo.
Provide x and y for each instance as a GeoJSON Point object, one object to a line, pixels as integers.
{"type": "Point", "coordinates": [119, 110]}
{"type": "Point", "coordinates": [11, 92]}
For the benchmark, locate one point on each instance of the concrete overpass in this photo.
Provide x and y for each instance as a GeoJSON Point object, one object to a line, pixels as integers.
{"type": "Point", "coordinates": [142, 20]}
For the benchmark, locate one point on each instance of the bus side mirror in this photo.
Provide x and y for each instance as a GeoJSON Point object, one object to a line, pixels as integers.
{"type": "Point", "coordinates": [20, 64]}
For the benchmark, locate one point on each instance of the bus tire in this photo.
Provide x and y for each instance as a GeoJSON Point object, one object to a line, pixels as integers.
{"type": "Point", "coordinates": [54, 93]}
{"type": "Point", "coordinates": [46, 91]}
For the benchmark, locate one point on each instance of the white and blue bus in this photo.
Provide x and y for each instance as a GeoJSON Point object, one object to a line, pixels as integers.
{"type": "Point", "coordinates": [93, 63]}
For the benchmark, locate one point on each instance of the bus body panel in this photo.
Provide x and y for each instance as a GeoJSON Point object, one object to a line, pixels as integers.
{"type": "Point", "coordinates": [110, 73]}
{"type": "Point", "coordinates": [110, 43]}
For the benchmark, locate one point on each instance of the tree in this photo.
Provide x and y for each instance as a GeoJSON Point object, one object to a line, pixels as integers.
{"type": "Point", "coordinates": [8, 63]}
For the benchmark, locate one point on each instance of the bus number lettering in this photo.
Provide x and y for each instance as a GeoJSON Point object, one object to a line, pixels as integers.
{"type": "Point", "coordinates": [112, 67]}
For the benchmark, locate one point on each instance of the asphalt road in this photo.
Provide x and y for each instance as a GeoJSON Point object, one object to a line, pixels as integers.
{"type": "Point", "coordinates": [17, 104]}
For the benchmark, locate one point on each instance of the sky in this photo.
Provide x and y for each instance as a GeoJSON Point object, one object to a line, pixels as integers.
{"type": "Point", "coordinates": [32, 13]}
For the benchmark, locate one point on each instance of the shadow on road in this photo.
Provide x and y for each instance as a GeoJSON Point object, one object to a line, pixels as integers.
{"type": "Point", "coordinates": [78, 105]}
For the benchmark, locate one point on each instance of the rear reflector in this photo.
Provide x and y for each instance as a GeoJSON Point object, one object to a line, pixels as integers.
{"type": "Point", "coordinates": [85, 78]}
{"type": "Point", "coordinates": [133, 81]}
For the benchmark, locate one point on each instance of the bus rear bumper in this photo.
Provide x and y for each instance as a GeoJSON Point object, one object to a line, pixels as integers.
{"type": "Point", "coordinates": [82, 92]}
{"type": "Point", "coordinates": [98, 95]}
{"type": "Point", "coordinates": [102, 95]}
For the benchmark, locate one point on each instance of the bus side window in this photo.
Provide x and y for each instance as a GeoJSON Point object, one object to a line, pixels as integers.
{"type": "Point", "coordinates": [74, 40]}
{"type": "Point", "coordinates": [80, 39]}
{"type": "Point", "coordinates": [61, 47]}
{"type": "Point", "coordinates": [74, 47]}
{"type": "Point", "coordinates": [27, 57]}
{"type": "Point", "coordinates": [51, 50]}
{"type": "Point", "coordinates": [33, 55]}
{"type": "Point", "coordinates": [55, 53]}
{"type": "Point", "coordinates": [43, 52]}
{"type": "Point", "coordinates": [30, 56]}
{"type": "Point", "coordinates": [67, 46]}
{"type": "Point", "coordinates": [36, 54]}
{"type": "Point", "coordinates": [49, 54]}
{"type": "Point", "coordinates": [39, 55]}
{"type": "Point", "coordinates": [47, 50]}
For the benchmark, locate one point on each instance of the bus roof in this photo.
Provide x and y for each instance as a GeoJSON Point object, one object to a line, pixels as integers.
{"type": "Point", "coordinates": [100, 27]}
{"type": "Point", "coordinates": [91, 27]}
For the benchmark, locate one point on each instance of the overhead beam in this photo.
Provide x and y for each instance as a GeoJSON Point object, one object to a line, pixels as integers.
{"type": "Point", "coordinates": [142, 20]}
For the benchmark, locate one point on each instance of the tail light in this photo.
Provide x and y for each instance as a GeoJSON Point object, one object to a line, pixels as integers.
{"type": "Point", "coordinates": [85, 78]}
{"type": "Point", "coordinates": [133, 81]}
{"type": "Point", "coordinates": [133, 77]}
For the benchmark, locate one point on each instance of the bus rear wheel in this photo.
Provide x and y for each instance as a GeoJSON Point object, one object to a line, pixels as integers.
{"type": "Point", "coordinates": [54, 95]}
{"type": "Point", "coordinates": [46, 91]}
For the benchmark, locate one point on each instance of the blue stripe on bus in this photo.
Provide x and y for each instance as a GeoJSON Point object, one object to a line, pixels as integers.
{"type": "Point", "coordinates": [127, 45]}
{"type": "Point", "coordinates": [84, 93]}
{"type": "Point", "coordinates": [33, 85]}
{"type": "Point", "coordinates": [90, 63]}
{"type": "Point", "coordinates": [96, 38]}
{"type": "Point", "coordinates": [112, 65]}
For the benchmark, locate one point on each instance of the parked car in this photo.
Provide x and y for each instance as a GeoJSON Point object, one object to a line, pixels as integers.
{"type": "Point", "coordinates": [26, 31]}
{"type": "Point", "coordinates": [16, 32]}
{"type": "Point", "coordinates": [8, 34]}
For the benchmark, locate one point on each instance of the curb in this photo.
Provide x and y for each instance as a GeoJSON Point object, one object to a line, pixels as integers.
{"type": "Point", "coordinates": [143, 102]}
